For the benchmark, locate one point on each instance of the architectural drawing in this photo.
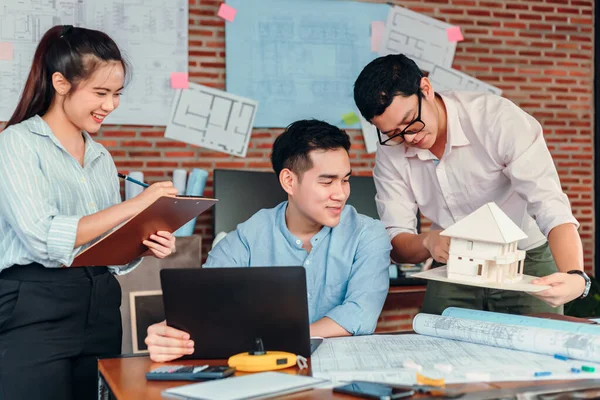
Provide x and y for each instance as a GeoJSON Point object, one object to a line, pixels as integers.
{"type": "Point", "coordinates": [152, 35]}
{"type": "Point", "coordinates": [381, 358]}
{"type": "Point", "coordinates": [212, 118]}
{"type": "Point", "coordinates": [522, 320]}
{"type": "Point", "coordinates": [483, 247]}
{"type": "Point", "coordinates": [422, 38]}
{"type": "Point", "coordinates": [450, 79]}
{"type": "Point", "coordinates": [577, 346]}
{"type": "Point", "coordinates": [299, 59]}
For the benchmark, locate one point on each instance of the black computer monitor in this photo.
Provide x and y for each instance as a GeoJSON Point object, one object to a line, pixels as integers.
{"type": "Point", "coordinates": [243, 193]}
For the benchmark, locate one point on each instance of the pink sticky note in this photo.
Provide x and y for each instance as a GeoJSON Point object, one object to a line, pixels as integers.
{"type": "Point", "coordinates": [377, 29]}
{"type": "Point", "coordinates": [6, 51]}
{"type": "Point", "coordinates": [179, 80]}
{"type": "Point", "coordinates": [227, 12]}
{"type": "Point", "coordinates": [454, 34]}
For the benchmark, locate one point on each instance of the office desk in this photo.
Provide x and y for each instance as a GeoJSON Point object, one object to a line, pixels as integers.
{"type": "Point", "coordinates": [125, 379]}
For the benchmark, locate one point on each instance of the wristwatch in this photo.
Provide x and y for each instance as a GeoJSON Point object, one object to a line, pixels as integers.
{"type": "Point", "coordinates": [588, 282]}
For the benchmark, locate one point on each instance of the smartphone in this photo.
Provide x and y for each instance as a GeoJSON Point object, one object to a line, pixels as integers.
{"type": "Point", "coordinates": [188, 373]}
{"type": "Point", "coordinates": [375, 390]}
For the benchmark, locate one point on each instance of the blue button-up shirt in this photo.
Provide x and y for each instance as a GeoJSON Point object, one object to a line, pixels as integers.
{"type": "Point", "coordinates": [347, 269]}
{"type": "Point", "coordinates": [44, 192]}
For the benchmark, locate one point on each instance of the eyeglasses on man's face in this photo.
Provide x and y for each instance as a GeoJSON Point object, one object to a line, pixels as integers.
{"type": "Point", "coordinates": [414, 127]}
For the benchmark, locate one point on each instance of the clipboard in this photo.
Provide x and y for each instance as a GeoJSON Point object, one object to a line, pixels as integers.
{"type": "Point", "coordinates": [124, 244]}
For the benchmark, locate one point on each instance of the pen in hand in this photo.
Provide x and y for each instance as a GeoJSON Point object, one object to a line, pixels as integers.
{"type": "Point", "coordinates": [127, 178]}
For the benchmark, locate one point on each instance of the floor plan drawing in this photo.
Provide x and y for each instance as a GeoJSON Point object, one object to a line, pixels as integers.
{"type": "Point", "coordinates": [151, 34]}
{"type": "Point", "coordinates": [213, 119]}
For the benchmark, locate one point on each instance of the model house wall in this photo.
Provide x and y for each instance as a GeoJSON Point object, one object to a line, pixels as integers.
{"type": "Point", "coordinates": [483, 247]}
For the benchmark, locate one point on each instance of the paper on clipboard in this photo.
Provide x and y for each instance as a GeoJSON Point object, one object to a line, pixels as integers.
{"type": "Point", "coordinates": [124, 244]}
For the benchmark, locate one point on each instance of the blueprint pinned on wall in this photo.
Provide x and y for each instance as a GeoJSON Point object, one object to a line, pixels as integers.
{"type": "Point", "coordinates": [422, 38]}
{"type": "Point", "coordinates": [299, 59]}
{"type": "Point", "coordinates": [213, 119]}
{"type": "Point", "coordinates": [451, 79]}
{"type": "Point", "coordinates": [152, 34]}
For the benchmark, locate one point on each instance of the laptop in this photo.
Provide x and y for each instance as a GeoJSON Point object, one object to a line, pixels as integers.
{"type": "Point", "coordinates": [225, 309]}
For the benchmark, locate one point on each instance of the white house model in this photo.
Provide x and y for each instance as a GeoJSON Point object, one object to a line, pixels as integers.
{"type": "Point", "coordinates": [483, 247]}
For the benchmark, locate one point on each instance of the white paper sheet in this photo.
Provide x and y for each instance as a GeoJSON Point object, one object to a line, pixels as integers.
{"type": "Point", "coordinates": [422, 38]}
{"type": "Point", "coordinates": [152, 35]}
{"type": "Point", "coordinates": [381, 358]}
{"type": "Point", "coordinates": [450, 79]}
{"type": "Point", "coordinates": [369, 132]}
{"type": "Point", "coordinates": [212, 118]}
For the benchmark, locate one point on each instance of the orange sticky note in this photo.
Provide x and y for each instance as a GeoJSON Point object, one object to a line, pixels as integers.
{"type": "Point", "coordinates": [179, 80]}
{"type": "Point", "coordinates": [454, 34]}
{"type": "Point", "coordinates": [377, 29]}
{"type": "Point", "coordinates": [227, 12]}
{"type": "Point", "coordinates": [6, 51]}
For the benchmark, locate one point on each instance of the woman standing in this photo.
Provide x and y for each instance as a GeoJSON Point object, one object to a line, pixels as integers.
{"type": "Point", "coordinates": [59, 192]}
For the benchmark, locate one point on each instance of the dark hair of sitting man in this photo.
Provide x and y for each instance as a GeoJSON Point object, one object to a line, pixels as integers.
{"type": "Point", "coordinates": [292, 148]}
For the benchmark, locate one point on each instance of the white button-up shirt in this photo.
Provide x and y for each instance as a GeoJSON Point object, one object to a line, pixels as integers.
{"type": "Point", "coordinates": [495, 152]}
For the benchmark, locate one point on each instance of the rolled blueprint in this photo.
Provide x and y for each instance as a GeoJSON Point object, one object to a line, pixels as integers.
{"type": "Point", "coordinates": [525, 338]}
{"type": "Point", "coordinates": [133, 189]}
{"type": "Point", "coordinates": [195, 187]}
{"type": "Point", "coordinates": [180, 180]}
{"type": "Point", "coordinates": [512, 319]}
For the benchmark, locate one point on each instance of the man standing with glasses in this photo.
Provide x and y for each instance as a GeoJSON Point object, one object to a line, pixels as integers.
{"type": "Point", "coordinates": [447, 154]}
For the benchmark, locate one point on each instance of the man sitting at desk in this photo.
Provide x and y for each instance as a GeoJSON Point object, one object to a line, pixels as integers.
{"type": "Point", "coordinates": [346, 255]}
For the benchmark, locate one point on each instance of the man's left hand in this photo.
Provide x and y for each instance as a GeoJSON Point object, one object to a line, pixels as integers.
{"type": "Point", "coordinates": [565, 287]}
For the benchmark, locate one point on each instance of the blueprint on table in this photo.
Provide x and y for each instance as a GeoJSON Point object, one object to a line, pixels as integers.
{"type": "Point", "coordinates": [299, 59]}
{"type": "Point", "coordinates": [382, 358]}
{"type": "Point", "coordinates": [575, 345]}
{"type": "Point", "coordinates": [152, 34]}
{"type": "Point", "coordinates": [522, 320]}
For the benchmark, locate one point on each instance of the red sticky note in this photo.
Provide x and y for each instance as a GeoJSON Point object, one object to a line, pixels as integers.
{"type": "Point", "coordinates": [179, 80]}
{"type": "Point", "coordinates": [6, 51]}
{"type": "Point", "coordinates": [377, 30]}
{"type": "Point", "coordinates": [454, 34]}
{"type": "Point", "coordinates": [227, 12]}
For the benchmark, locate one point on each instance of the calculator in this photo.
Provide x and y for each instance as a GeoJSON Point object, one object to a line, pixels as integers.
{"type": "Point", "coordinates": [188, 373]}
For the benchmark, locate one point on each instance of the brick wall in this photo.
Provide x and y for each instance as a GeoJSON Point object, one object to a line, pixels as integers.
{"type": "Point", "coordinates": [539, 52]}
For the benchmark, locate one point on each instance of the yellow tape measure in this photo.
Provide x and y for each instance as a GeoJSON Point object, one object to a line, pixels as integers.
{"type": "Point", "coordinates": [269, 361]}
{"type": "Point", "coordinates": [261, 360]}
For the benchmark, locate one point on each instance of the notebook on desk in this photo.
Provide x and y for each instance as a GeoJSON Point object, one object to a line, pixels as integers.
{"type": "Point", "coordinates": [261, 385]}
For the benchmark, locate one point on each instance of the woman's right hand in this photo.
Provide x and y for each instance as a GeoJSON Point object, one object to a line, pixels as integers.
{"type": "Point", "coordinates": [153, 193]}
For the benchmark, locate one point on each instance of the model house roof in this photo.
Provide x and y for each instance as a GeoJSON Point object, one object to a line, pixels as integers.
{"type": "Point", "coordinates": [486, 224]}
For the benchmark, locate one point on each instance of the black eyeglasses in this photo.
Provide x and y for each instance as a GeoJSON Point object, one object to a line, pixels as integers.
{"type": "Point", "coordinates": [414, 127]}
